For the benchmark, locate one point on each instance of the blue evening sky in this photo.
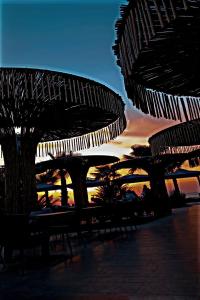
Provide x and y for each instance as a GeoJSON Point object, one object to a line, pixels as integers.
{"type": "Point", "coordinates": [74, 36]}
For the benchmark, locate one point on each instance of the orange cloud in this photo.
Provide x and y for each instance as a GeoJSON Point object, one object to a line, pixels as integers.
{"type": "Point", "coordinates": [141, 125]}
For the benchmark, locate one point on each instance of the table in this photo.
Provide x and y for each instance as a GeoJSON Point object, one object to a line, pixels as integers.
{"type": "Point", "coordinates": [50, 224]}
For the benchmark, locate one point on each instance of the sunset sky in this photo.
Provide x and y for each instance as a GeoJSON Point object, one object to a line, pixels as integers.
{"type": "Point", "coordinates": [76, 37]}
{"type": "Point", "coordinates": [73, 36]}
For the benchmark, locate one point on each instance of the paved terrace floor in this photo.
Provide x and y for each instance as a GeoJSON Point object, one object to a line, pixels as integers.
{"type": "Point", "coordinates": [158, 261]}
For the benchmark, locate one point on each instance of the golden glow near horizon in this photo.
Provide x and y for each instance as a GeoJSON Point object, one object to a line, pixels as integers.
{"type": "Point", "coordinates": [186, 185]}
{"type": "Point", "coordinates": [139, 128]}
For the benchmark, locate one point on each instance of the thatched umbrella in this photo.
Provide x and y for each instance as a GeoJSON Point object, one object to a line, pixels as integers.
{"type": "Point", "coordinates": [77, 166]}
{"type": "Point", "coordinates": [181, 173]}
{"type": "Point", "coordinates": [181, 138]}
{"type": "Point", "coordinates": [178, 174]}
{"type": "Point", "coordinates": [157, 48]}
{"type": "Point", "coordinates": [156, 168]}
{"type": "Point", "coordinates": [64, 112]}
{"type": "Point", "coordinates": [134, 178]}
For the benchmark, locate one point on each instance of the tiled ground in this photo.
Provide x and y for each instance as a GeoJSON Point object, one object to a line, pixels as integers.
{"type": "Point", "coordinates": [159, 261]}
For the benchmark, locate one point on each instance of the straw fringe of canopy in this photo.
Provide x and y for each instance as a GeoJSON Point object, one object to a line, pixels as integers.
{"type": "Point", "coordinates": [79, 143]}
{"type": "Point", "coordinates": [181, 138]}
{"type": "Point", "coordinates": [160, 104]}
{"type": "Point", "coordinates": [86, 141]}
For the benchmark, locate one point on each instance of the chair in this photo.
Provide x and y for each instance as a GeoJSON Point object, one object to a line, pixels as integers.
{"type": "Point", "coordinates": [54, 225]}
{"type": "Point", "coordinates": [118, 215]}
{"type": "Point", "coordinates": [17, 234]}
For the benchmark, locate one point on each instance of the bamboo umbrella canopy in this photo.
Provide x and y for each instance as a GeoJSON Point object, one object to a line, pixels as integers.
{"type": "Point", "coordinates": [181, 138]}
{"type": "Point", "coordinates": [157, 48]}
{"type": "Point", "coordinates": [156, 167]}
{"type": "Point", "coordinates": [136, 178]}
{"type": "Point", "coordinates": [77, 167]}
{"type": "Point", "coordinates": [63, 111]}
{"type": "Point", "coordinates": [182, 173]}
{"type": "Point", "coordinates": [154, 164]}
{"type": "Point", "coordinates": [90, 183]}
{"type": "Point", "coordinates": [42, 187]}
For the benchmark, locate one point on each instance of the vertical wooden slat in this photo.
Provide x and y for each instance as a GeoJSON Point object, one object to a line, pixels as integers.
{"type": "Point", "coordinates": [149, 17]}
{"type": "Point", "coordinates": [133, 27]}
{"type": "Point", "coordinates": [144, 33]}
{"type": "Point", "coordinates": [158, 13]}
{"type": "Point", "coordinates": [145, 20]}
{"type": "Point", "coordinates": [126, 55]}
{"type": "Point", "coordinates": [173, 9]}
{"type": "Point", "coordinates": [132, 39]}
{"type": "Point", "coordinates": [165, 11]}
{"type": "Point", "coordinates": [139, 31]}
{"type": "Point", "coordinates": [185, 4]}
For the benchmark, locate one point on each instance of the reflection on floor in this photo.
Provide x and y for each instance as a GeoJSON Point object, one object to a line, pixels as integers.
{"type": "Point", "coordinates": [161, 260]}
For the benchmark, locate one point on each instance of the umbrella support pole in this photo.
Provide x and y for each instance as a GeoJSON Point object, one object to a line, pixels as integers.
{"type": "Point", "coordinates": [20, 185]}
{"type": "Point", "coordinates": [78, 175]}
{"type": "Point", "coordinates": [159, 192]}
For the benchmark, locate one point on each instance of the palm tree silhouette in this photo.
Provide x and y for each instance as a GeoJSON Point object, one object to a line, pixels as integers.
{"type": "Point", "coordinates": [62, 174]}
{"type": "Point", "coordinates": [48, 177]}
{"type": "Point", "coordinates": [156, 167]}
{"type": "Point", "coordinates": [109, 191]}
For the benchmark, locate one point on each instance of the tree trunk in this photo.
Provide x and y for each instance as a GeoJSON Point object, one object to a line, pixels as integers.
{"type": "Point", "coordinates": [20, 186]}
